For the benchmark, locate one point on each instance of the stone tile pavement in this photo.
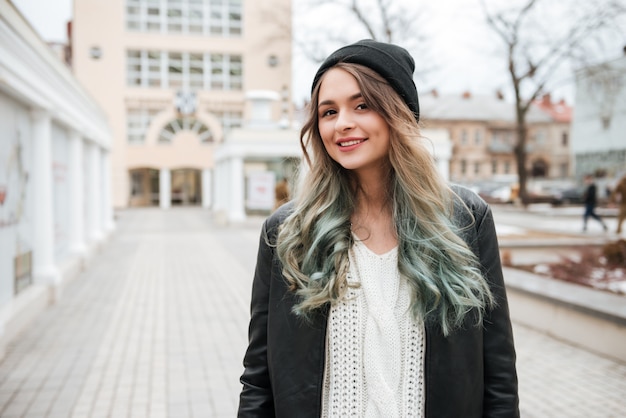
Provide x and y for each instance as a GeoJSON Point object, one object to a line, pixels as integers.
{"type": "Point", "coordinates": [156, 327]}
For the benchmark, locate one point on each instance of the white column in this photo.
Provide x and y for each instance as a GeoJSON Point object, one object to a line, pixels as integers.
{"type": "Point", "coordinates": [107, 202]}
{"type": "Point", "coordinates": [77, 195]}
{"type": "Point", "coordinates": [206, 188]}
{"type": "Point", "coordinates": [94, 190]}
{"type": "Point", "coordinates": [165, 188]}
{"type": "Point", "coordinates": [219, 205]}
{"type": "Point", "coordinates": [236, 210]}
{"type": "Point", "coordinates": [44, 269]}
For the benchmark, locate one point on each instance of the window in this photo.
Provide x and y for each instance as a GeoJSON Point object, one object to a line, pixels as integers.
{"type": "Point", "coordinates": [478, 137]}
{"type": "Point", "coordinates": [463, 167]}
{"type": "Point", "coordinates": [540, 137]}
{"type": "Point", "coordinates": [186, 124]}
{"type": "Point", "coordinates": [230, 120]}
{"type": "Point", "coordinates": [476, 168]}
{"type": "Point", "coordinates": [184, 70]}
{"type": "Point", "coordinates": [564, 139]}
{"type": "Point", "coordinates": [196, 71]}
{"type": "Point", "coordinates": [494, 167]}
{"type": "Point", "coordinates": [226, 72]}
{"type": "Point", "coordinates": [463, 137]}
{"type": "Point", "coordinates": [133, 68]}
{"type": "Point", "coordinates": [152, 16]}
{"type": "Point", "coordinates": [137, 123]}
{"type": "Point", "coordinates": [225, 17]}
{"type": "Point", "coordinates": [153, 76]}
{"type": "Point", "coordinates": [175, 70]}
{"type": "Point", "coordinates": [507, 167]}
{"type": "Point", "coordinates": [175, 16]}
{"type": "Point", "coordinates": [202, 17]}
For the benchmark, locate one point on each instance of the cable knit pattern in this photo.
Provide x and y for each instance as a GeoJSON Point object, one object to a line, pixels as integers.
{"type": "Point", "coordinates": [375, 350]}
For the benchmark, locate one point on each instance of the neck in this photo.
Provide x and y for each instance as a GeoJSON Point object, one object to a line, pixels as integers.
{"type": "Point", "coordinates": [372, 191]}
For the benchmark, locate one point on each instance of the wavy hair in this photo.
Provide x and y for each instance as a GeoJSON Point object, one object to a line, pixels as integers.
{"type": "Point", "coordinates": [313, 242]}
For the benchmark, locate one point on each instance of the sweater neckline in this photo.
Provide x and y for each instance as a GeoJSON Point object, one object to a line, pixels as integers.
{"type": "Point", "coordinates": [360, 243]}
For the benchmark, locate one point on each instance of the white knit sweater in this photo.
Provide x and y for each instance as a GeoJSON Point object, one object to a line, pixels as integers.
{"type": "Point", "coordinates": [375, 350]}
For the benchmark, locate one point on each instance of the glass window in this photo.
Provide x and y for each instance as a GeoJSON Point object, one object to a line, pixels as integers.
{"type": "Point", "coordinates": [138, 121]}
{"type": "Point", "coordinates": [235, 73]}
{"type": "Point", "coordinates": [175, 16]}
{"type": "Point", "coordinates": [217, 71]}
{"type": "Point", "coordinates": [216, 17]}
{"type": "Point", "coordinates": [196, 71]}
{"type": "Point", "coordinates": [168, 133]}
{"type": "Point", "coordinates": [175, 70]}
{"type": "Point", "coordinates": [133, 68]}
{"type": "Point", "coordinates": [230, 120]}
{"type": "Point", "coordinates": [153, 77]}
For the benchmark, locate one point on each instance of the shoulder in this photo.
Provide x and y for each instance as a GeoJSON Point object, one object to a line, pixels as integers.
{"type": "Point", "coordinates": [467, 203]}
{"type": "Point", "coordinates": [276, 219]}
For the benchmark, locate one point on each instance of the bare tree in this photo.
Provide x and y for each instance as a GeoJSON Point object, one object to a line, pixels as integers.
{"type": "Point", "coordinates": [539, 39]}
{"type": "Point", "coordinates": [340, 22]}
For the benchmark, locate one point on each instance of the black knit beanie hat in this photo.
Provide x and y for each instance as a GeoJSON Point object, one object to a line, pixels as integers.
{"type": "Point", "coordinates": [392, 62]}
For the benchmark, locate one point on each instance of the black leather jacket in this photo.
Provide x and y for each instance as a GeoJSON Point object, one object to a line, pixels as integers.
{"type": "Point", "coordinates": [470, 373]}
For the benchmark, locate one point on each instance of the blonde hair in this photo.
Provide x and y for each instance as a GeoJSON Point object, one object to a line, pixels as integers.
{"type": "Point", "coordinates": [314, 241]}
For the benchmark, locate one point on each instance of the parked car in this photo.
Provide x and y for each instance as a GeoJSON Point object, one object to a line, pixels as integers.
{"type": "Point", "coordinates": [569, 196]}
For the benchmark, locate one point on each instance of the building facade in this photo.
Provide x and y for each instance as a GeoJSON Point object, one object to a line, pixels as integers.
{"type": "Point", "coordinates": [172, 76]}
{"type": "Point", "coordinates": [599, 121]}
{"type": "Point", "coordinates": [55, 202]}
{"type": "Point", "coordinates": [483, 133]}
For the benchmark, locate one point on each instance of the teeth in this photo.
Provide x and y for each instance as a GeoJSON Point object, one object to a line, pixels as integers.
{"type": "Point", "coordinates": [349, 143]}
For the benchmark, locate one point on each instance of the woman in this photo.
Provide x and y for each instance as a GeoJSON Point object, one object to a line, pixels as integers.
{"type": "Point", "coordinates": [378, 292]}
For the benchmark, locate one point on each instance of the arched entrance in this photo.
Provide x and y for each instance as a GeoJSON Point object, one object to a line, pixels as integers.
{"type": "Point", "coordinates": [144, 187]}
{"type": "Point", "coordinates": [539, 168]}
{"type": "Point", "coordinates": [186, 187]}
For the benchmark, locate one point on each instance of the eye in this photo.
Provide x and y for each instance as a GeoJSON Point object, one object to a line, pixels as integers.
{"type": "Point", "coordinates": [362, 106]}
{"type": "Point", "coordinates": [327, 112]}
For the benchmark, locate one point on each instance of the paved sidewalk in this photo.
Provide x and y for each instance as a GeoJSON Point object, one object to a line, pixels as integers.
{"type": "Point", "coordinates": [156, 327]}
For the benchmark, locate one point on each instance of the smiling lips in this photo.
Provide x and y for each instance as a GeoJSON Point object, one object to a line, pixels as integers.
{"type": "Point", "coordinates": [350, 142]}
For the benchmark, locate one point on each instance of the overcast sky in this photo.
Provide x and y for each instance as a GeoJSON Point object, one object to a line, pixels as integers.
{"type": "Point", "coordinates": [464, 48]}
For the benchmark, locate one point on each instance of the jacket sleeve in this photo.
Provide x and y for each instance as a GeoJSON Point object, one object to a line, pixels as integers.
{"type": "Point", "coordinates": [256, 398]}
{"type": "Point", "coordinates": [500, 376]}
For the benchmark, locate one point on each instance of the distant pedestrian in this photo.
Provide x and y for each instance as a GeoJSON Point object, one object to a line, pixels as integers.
{"type": "Point", "coordinates": [591, 200]}
{"type": "Point", "coordinates": [620, 190]}
{"type": "Point", "coordinates": [281, 192]}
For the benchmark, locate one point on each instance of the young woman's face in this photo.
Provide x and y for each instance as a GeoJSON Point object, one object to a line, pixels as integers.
{"type": "Point", "coordinates": [354, 135]}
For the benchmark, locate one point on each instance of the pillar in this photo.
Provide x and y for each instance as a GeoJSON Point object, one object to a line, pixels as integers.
{"type": "Point", "coordinates": [77, 195]}
{"type": "Point", "coordinates": [206, 188]}
{"type": "Point", "coordinates": [94, 191]}
{"type": "Point", "coordinates": [107, 201]}
{"type": "Point", "coordinates": [165, 188]}
{"type": "Point", "coordinates": [44, 269]}
{"type": "Point", "coordinates": [236, 209]}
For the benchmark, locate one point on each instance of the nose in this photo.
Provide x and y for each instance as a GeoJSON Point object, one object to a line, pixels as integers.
{"type": "Point", "coordinates": [345, 122]}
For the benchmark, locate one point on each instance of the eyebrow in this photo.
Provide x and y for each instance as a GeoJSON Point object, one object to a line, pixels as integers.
{"type": "Point", "coordinates": [351, 98]}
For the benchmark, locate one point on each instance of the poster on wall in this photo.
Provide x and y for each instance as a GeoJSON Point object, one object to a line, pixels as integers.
{"type": "Point", "coordinates": [261, 190]}
{"type": "Point", "coordinates": [15, 203]}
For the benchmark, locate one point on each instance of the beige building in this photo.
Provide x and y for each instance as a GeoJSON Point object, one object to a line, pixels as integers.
{"type": "Point", "coordinates": [172, 76]}
{"type": "Point", "coordinates": [483, 132]}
